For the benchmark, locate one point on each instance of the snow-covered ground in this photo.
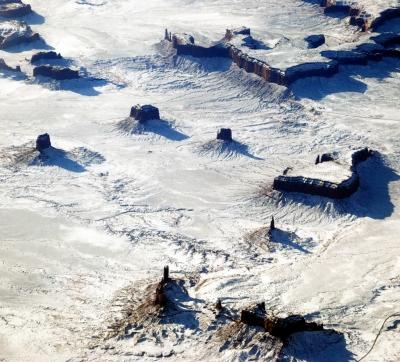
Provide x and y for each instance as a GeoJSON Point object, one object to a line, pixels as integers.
{"type": "Point", "coordinates": [83, 231]}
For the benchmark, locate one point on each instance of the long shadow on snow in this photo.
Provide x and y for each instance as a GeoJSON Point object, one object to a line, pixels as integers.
{"type": "Point", "coordinates": [317, 88]}
{"type": "Point", "coordinates": [34, 19]}
{"type": "Point", "coordinates": [287, 238]}
{"type": "Point", "coordinates": [39, 44]}
{"type": "Point", "coordinates": [327, 346]}
{"type": "Point", "coordinates": [83, 86]}
{"type": "Point", "coordinates": [56, 157]}
{"type": "Point", "coordinates": [371, 200]}
{"type": "Point", "coordinates": [164, 129]}
{"type": "Point", "coordinates": [176, 312]}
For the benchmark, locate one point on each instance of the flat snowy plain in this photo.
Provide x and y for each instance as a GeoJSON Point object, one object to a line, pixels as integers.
{"type": "Point", "coordinates": [119, 206]}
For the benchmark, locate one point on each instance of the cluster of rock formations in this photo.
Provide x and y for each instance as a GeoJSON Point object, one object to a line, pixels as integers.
{"type": "Point", "coordinates": [144, 113]}
{"type": "Point", "coordinates": [325, 188]}
{"type": "Point", "coordinates": [14, 32]}
{"type": "Point", "coordinates": [14, 8]}
{"type": "Point", "coordinates": [184, 44]}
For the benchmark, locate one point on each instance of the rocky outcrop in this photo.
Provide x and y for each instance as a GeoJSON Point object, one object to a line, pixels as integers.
{"type": "Point", "coordinates": [14, 9]}
{"type": "Point", "coordinates": [45, 56]}
{"type": "Point", "coordinates": [358, 16]}
{"type": "Point", "coordinates": [325, 188]}
{"type": "Point", "coordinates": [315, 41]}
{"type": "Point", "coordinates": [144, 113]}
{"type": "Point", "coordinates": [281, 328]}
{"type": "Point", "coordinates": [185, 45]}
{"type": "Point", "coordinates": [225, 134]}
{"type": "Point", "coordinates": [43, 142]}
{"type": "Point", "coordinates": [58, 73]}
{"type": "Point", "coordinates": [15, 33]}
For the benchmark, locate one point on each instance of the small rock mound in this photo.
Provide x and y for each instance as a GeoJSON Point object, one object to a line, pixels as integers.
{"type": "Point", "coordinates": [315, 41]}
{"type": "Point", "coordinates": [55, 72]}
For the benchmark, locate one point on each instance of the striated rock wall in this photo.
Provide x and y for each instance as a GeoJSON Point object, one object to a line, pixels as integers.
{"type": "Point", "coordinates": [325, 188]}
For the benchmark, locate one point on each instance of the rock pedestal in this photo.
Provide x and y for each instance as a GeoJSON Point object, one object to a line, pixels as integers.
{"type": "Point", "coordinates": [43, 142]}
{"type": "Point", "coordinates": [225, 134]}
{"type": "Point", "coordinates": [144, 113]}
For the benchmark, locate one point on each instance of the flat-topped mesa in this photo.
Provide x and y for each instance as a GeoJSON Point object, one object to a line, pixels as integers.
{"type": "Point", "coordinates": [144, 113]}
{"type": "Point", "coordinates": [331, 179]}
{"type": "Point", "coordinates": [225, 134]}
{"type": "Point", "coordinates": [14, 9]}
{"type": "Point", "coordinates": [45, 56]}
{"type": "Point", "coordinates": [55, 72]}
{"type": "Point", "coordinates": [43, 142]}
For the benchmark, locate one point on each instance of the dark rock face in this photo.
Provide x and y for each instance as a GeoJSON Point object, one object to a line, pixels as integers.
{"type": "Point", "coordinates": [326, 157]}
{"type": "Point", "coordinates": [4, 66]}
{"type": "Point", "coordinates": [45, 56]}
{"type": "Point", "coordinates": [43, 142]}
{"type": "Point", "coordinates": [57, 73]}
{"type": "Point", "coordinates": [284, 327]}
{"type": "Point", "coordinates": [144, 113]}
{"type": "Point", "coordinates": [254, 316]}
{"type": "Point", "coordinates": [224, 134]}
{"type": "Point", "coordinates": [315, 41]}
{"type": "Point", "coordinates": [316, 69]}
{"type": "Point", "coordinates": [14, 9]}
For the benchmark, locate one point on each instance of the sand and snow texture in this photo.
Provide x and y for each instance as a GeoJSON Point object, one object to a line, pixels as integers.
{"type": "Point", "coordinates": [86, 227]}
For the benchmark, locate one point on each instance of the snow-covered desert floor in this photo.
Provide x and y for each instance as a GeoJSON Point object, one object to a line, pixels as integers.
{"type": "Point", "coordinates": [84, 233]}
